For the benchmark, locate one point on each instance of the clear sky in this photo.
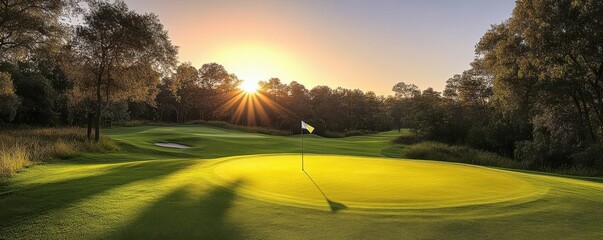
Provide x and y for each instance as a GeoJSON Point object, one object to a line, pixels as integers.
{"type": "Point", "coordinates": [370, 45]}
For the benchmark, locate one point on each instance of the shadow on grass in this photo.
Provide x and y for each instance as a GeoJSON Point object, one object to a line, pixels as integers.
{"type": "Point", "coordinates": [183, 215]}
{"type": "Point", "coordinates": [40, 199]}
{"type": "Point", "coordinates": [131, 152]}
{"type": "Point", "coordinates": [334, 206]}
{"type": "Point", "coordinates": [393, 151]}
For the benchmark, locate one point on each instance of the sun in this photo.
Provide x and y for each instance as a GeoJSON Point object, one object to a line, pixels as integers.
{"type": "Point", "coordinates": [250, 86]}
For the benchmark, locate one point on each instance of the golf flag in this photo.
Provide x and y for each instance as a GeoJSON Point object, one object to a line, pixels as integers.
{"type": "Point", "coordinates": [307, 127]}
{"type": "Point", "coordinates": [310, 129]}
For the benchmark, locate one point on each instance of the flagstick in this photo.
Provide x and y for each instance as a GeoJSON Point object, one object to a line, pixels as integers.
{"type": "Point", "coordinates": [302, 137]}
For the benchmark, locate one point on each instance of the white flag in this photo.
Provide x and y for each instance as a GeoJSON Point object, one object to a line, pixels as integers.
{"type": "Point", "coordinates": [307, 127]}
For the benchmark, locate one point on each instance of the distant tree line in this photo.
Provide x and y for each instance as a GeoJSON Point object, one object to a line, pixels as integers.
{"type": "Point", "coordinates": [119, 65]}
{"type": "Point", "coordinates": [534, 91]}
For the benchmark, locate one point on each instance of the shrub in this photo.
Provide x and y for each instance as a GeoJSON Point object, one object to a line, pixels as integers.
{"type": "Point", "coordinates": [407, 140]}
{"type": "Point", "coordinates": [586, 163]}
{"type": "Point", "coordinates": [461, 154]}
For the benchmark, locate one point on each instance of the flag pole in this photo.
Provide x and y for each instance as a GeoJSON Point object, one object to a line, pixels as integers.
{"type": "Point", "coordinates": [302, 152]}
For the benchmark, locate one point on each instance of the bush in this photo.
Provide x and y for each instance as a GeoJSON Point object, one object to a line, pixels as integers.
{"type": "Point", "coordinates": [351, 133]}
{"type": "Point", "coordinates": [586, 163]}
{"type": "Point", "coordinates": [407, 140]}
{"type": "Point", "coordinates": [591, 157]}
{"type": "Point", "coordinates": [460, 154]}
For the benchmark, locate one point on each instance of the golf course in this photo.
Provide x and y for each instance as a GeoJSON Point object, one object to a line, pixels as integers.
{"type": "Point", "coordinates": [227, 184]}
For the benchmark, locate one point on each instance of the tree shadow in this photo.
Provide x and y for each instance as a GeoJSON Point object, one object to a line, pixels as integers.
{"type": "Point", "coordinates": [132, 152]}
{"type": "Point", "coordinates": [63, 194]}
{"type": "Point", "coordinates": [182, 215]}
{"type": "Point", "coordinates": [334, 206]}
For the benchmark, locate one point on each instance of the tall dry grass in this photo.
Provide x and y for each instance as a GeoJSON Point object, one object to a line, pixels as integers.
{"type": "Point", "coordinates": [20, 148]}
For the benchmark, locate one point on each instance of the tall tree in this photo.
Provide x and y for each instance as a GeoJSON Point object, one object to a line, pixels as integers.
{"type": "Point", "coordinates": [185, 86]}
{"type": "Point", "coordinates": [547, 63]}
{"type": "Point", "coordinates": [403, 90]}
{"type": "Point", "coordinates": [27, 24]}
{"type": "Point", "coordinates": [123, 55]}
{"type": "Point", "coordinates": [217, 85]}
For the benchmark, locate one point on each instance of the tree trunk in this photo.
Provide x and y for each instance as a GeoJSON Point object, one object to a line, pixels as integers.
{"type": "Point", "coordinates": [89, 125]}
{"type": "Point", "coordinates": [97, 124]}
{"type": "Point", "coordinates": [99, 100]}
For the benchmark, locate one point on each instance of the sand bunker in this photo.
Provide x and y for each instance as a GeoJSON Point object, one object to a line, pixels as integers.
{"type": "Point", "coordinates": [172, 145]}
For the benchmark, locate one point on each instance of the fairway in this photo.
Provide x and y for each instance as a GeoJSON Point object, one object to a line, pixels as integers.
{"type": "Point", "coordinates": [236, 185]}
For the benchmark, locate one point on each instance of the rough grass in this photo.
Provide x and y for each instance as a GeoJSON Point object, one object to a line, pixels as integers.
{"type": "Point", "coordinates": [22, 147]}
{"type": "Point", "coordinates": [12, 159]}
{"type": "Point", "coordinates": [460, 154]}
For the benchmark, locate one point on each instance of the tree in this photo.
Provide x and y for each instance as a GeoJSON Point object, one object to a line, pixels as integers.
{"type": "Point", "coordinates": [122, 56]}
{"type": "Point", "coordinates": [472, 87]}
{"type": "Point", "coordinates": [9, 101]}
{"type": "Point", "coordinates": [26, 25]}
{"type": "Point", "coordinates": [36, 94]}
{"type": "Point", "coordinates": [217, 85]}
{"type": "Point", "coordinates": [275, 95]}
{"type": "Point", "coordinates": [185, 87]}
{"type": "Point", "coordinates": [403, 90]}
{"type": "Point", "coordinates": [547, 64]}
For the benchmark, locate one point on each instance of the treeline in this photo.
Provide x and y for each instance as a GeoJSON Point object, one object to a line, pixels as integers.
{"type": "Point", "coordinates": [210, 93]}
{"type": "Point", "coordinates": [118, 65]}
{"type": "Point", "coordinates": [534, 92]}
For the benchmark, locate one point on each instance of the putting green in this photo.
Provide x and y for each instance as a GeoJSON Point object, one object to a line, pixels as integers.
{"type": "Point", "coordinates": [369, 183]}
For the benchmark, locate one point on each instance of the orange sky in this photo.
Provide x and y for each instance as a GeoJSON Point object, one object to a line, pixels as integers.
{"type": "Point", "coordinates": [370, 45]}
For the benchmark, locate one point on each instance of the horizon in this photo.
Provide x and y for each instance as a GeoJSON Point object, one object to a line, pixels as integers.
{"type": "Point", "coordinates": [317, 43]}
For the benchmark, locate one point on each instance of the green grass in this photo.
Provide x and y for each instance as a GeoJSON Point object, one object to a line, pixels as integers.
{"type": "Point", "coordinates": [235, 185]}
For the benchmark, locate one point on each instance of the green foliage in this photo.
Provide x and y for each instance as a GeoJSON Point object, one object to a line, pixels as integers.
{"type": "Point", "coordinates": [38, 100]}
{"type": "Point", "coordinates": [534, 92]}
{"type": "Point", "coordinates": [119, 55]}
{"type": "Point", "coordinates": [590, 158]}
{"type": "Point", "coordinates": [407, 139]}
{"type": "Point", "coordinates": [461, 154]}
{"type": "Point", "coordinates": [547, 61]}
{"type": "Point", "coordinates": [9, 101]}
{"type": "Point", "coordinates": [403, 90]}
{"type": "Point", "coordinates": [27, 26]}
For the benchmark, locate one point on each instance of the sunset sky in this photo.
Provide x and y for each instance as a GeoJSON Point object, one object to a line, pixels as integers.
{"type": "Point", "coordinates": [370, 45]}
